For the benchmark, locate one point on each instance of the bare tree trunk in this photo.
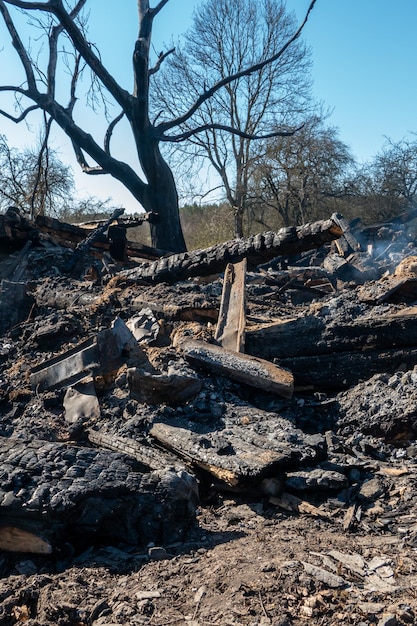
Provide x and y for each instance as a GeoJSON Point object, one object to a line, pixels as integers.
{"type": "Point", "coordinates": [238, 221]}
{"type": "Point", "coordinates": [162, 198]}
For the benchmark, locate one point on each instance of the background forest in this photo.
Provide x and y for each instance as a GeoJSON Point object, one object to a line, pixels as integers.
{"type": "Point", "coordinates": [229, 138]}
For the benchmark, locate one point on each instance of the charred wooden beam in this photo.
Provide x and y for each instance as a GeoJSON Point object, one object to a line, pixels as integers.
{"type": "Point", "coordinates": [84, 246]}
{"type": "Point", "coordinates": [257, 249]}
{"type": "Point", "coordinates": [349, 242]}
{"type": "Point", "coordinates": [311, 335]}
{"type": "Point", "coordinates": [70, 235]}
{"type": "Point", "coordinates": [16, 230]}
{"type": "Point", "coordinates": [128, 221]}
{"type": "Point", "coordinates": [257, 445]}
{"type": "Point", "coordinates": [148, 456]}
{"type": "Point", "coordinates": [343, 369]}
{"type": "Point", "coordinates": [245, 369]}
{"type": "Point", "coordinates": [99, 355]}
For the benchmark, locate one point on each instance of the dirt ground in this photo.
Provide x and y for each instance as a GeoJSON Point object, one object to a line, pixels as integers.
{"type": "Point", "coordinates": [247, 565]}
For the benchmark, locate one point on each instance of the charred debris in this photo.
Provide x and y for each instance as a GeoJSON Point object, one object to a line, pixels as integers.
{"type": "Point", "coordinates": [135, 383]}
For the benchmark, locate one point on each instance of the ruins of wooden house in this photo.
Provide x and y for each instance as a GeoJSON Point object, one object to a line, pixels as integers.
{"type": "Point", "coordinates": [149, 478]}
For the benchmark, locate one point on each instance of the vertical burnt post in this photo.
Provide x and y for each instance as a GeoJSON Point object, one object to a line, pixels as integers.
{"type": "Point", "coordinates": [118, 242]}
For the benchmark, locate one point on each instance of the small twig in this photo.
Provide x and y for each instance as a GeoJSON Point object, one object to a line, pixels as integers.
{"type": "Point", "coordinates": [263, 606]}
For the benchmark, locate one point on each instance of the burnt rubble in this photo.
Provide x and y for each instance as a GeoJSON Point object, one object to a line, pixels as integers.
{"type": "Point", "coordinates": [131, 387]}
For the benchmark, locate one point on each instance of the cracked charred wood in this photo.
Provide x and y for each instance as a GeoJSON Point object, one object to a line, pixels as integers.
{"type": "Point", "coordinates": [62, 494]}
{"type": "Point", "coordinates": [339, 267]}
{"type": "Point", "coordinates": [101, 355]}
{"type": "Point", "coordinates": [70, 235]}
{"type": "Point", "coordinates": [128, 221]}
{"type": "Point", "coordinates": [245, 369]}
{"type": "Point", "coordinates": [400, 286]}
{"type": "Point", "coordinates": [14, 267]}
{"type": "Point", "coordinates": [311, 336]}
{"type": "Point", "coordinates": [350, 241]}
{"type": "Point", "coordinates": [15, 304]}
{"type": "Point", "coordinates": [310, 275]}
{"type": "Point", "coordinates": [173, 388]}
{"type": "Point", "coordinates": [152, 458]}
{"type": "Point", "coordinates": [341, 370]}
{"type": "Point", "coordinates": [257, 249]}
{"type": "Point", "coordinates": [238, 455]}
{"type": "Point", "coordinates": [15, 230]}
{"type": "Point", "coordinates": [394, 289]}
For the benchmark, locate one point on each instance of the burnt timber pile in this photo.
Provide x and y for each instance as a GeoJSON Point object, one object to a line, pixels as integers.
{"type": "Point", "coordinates": [132, 385]}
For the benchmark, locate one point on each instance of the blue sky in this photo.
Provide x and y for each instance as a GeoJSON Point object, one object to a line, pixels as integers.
{"type": "Point", "coordinates": [364, 55]}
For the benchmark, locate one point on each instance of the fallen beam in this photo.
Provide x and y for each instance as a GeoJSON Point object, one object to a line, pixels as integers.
{"type": "Point", "coordinates": [240, 367]}
{"type": "Point", "coordinates": [341, 370]}
{"type": "Point", "coordinates": [149, 457]}
{"type": "Point", "coordinates": [99, 355]}
{"type": "Point", "coordinates": [313, 336]}
{"type": "Point", "coordinates": [257, 249]}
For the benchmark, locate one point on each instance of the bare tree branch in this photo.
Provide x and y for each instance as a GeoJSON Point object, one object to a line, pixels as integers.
{"type": "Point", "coordinates": [164, 126]}
{"type": "Point", "coordinates": [41, 6]}
{"type": "Point", "coordinates": [67, 23]}
{"type": "Point", "coordinates": [159, 6]}
{"type": "Point", "coordinates": [82, 162]}
{"type": "Point", "coordinates": [40, 170]}
{"type": "Point", "coordinates": [110, 130]}
{"type": "Point", "coordinates": [22, 116]}
{"type": "Point", "coordinates": [19, 47]}
{"type": "Point", "coordinates": [53, 49]}
{"type": "Point", "coordinates": [161, 57]}
{"type": "Point", "coordinates": [229, 129]}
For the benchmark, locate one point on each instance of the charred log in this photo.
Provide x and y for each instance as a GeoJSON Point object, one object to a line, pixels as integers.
{"type": "Point", "coordinates": [63, 494]}
{"type": "Point", "coordinates": [257, 249]}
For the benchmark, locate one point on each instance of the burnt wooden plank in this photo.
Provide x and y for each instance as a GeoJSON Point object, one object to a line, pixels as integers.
{"type": "Point", "coordinates": [313, 336]}
{"type": "Point", "coordinates": [350, 241]}
{"type": "Point", "coordinates": [236, 455]}
{"type": "Point", "coordinates": [14, 539]}
{"type": "Point", "coordinates": [230, 330]}
{"type": "Point", "coordinates": [341, 370]}
{"type": "Point", "coordinates": [245, 369]}
{"type": "Point", "coordinates": [150, 457]}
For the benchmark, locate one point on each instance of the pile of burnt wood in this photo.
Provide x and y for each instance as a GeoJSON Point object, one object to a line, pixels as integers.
{"type": "Point", "coordinates": [136, 382]}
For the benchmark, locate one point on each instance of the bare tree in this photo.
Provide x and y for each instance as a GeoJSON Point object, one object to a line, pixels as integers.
{"type": "Point", "coordinates": [395, 171]}
{"type": "Point", "coordinates": [225, 37]}
{"type": "Point", "coordinates": [34, 180]}
{"type": "Point", "coordinates": [386, 186]}
{"type": "Point", "coordinates": [63, 26]}
{"type": "Point", "coordinates": [298, 175]}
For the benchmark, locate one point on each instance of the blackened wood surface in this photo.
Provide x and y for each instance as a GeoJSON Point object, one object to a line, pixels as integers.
{"type": "Point", "coordinates": [311, 335]}
{"type": "Point", "coordinates": [237, 454]}
{"type": "Point", "coordinates": [148, 456]}
{"type": "Point", "coordinates": [341, 370]}
{"type": "Point", "coordinates": [257, 249]}
{"type": "Point", "coordinates": [73, 495]}
{"type": "Point", "coordinates": [245, 369]}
